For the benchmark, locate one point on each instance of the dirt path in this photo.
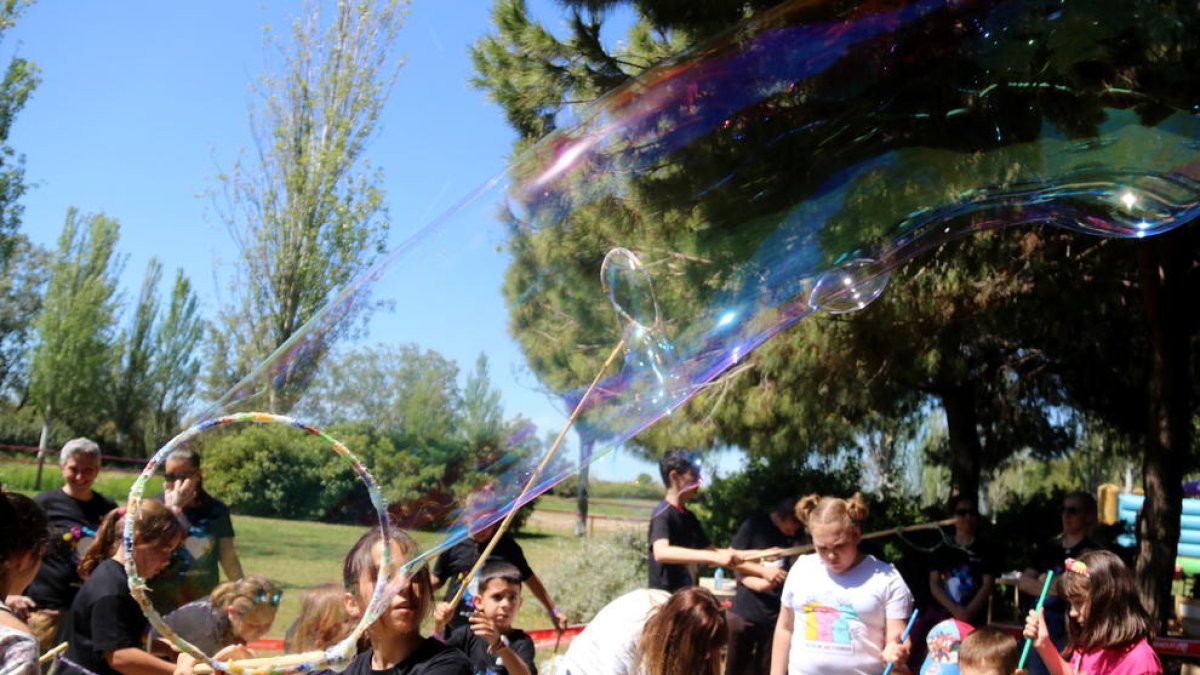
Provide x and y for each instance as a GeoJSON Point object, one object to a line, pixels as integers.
{"type": "Point", "coordinates": [564, 521]}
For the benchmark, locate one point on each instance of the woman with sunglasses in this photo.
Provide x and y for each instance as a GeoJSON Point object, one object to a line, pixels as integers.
{"type": "Point", "coordinates": [1078, 512]}
{"type": "Point", "coordinates": [236, 612]}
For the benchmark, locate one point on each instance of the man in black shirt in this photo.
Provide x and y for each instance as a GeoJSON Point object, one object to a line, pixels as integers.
{"type": "Point", "coordinates": [74, 513]}
{"type": "Point", "coordinates": [760, 586]}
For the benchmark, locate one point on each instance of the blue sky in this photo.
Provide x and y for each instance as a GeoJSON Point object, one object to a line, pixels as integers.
{"type": "Point", "coordinates": [142, 104]}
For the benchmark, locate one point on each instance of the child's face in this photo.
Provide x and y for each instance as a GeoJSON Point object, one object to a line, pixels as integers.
{"type": "Point", "coordinates": [152, 557]}
{"type": "Point", "coordinates": [837, 545]}
{"type": "Point", "coordinates": [1079, 610]}
{"type": "Point", "coordinates": [686, 484]}
{"type": "Point", "coordinates": [253, 623]}
{"type": "Point", "coordinates": [499, 601]}
{"type": "Point", "coordinates": [403, 614]}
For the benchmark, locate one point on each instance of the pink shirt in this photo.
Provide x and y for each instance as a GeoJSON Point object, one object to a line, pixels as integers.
{"type": "Point", "coordinates": [1136, 659]}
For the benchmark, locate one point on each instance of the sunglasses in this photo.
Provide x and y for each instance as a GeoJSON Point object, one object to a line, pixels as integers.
{"type": "Point", "coordinates": [1072, 510]}
{"type": "Point", "coordinates": [177, 477]}
{"type": "Point", "coordinates": [262, 598]}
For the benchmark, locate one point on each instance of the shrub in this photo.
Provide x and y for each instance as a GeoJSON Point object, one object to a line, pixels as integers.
{"type": "Point", "coordinates": [594, 571]}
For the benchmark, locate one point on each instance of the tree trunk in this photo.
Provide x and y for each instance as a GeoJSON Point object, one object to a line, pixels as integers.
{"type": "Point", "coordinates": [585, 460]}
{"type": "Point", "coordinates": [1164, 266]}
{"type": "Point", "coordinates": [965, 450]}
{"type": "Point", "coordinates": [43, 443]}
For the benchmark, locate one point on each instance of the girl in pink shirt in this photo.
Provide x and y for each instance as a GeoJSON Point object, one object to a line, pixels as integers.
{"type": "Point", "coordinates": [1108, 631]}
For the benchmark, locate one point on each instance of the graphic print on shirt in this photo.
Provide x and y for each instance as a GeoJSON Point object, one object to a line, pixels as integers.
{"type": "Point", "coordinates": [960, 585]}
{"type": "Point", "coordinates": [827, 628]}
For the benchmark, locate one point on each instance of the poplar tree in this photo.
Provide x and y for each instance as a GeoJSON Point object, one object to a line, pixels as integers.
{"type": "Point", "coordinates": [306, 209]}
{"type": "Point", "coordinates": [70, 362]}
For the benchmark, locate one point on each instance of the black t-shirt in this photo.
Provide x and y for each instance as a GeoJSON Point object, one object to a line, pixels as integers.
{"type": "Point", "coordinates": [193, 571]}
{"type": "Point", "coordinates": [680, 528]}
{"type": "Point", "coordinates": [758, 532]}
{"type": "Point", "coordinates": [483, 663]}
{"type": "Point", "coordinates": [454, 563]}
{"type": "Point", "coordinates": [962, 570]}
{"type": "Point", "coordinates": [432, 658]}
{"type": "Point", "coordinates": [58, 581]}
{"type": "Point", "coordinates": [1053, 556]}
{"type": "Point", "coordinates": [104, 617]}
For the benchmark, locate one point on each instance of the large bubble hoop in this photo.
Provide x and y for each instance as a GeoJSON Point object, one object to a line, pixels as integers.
{"type": "Point", "coordinates": [336, 657]}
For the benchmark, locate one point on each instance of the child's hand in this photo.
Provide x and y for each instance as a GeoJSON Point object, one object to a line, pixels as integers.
{"type": "Point", "coordinates": [441, 616]}
{"type": "Point", "coordinates": [185, 664]}
{"type": "Point", "coordinates": [485, 628]}
{"type": "Point", "coordinates": [559, 619]}
{"type": "Point", "coordinates": [1035, 628]}
{"type": "Point", "coordinates": [897, 652]}
{"type": "Point", "coordinates": [234, 653]}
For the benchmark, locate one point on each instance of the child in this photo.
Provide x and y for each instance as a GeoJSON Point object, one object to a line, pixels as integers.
{"type": "Point", "coordinates": [1108, 631]}
{"type": "Point", "coordinates": [491, 642]}
{"type": "Point", "coordinates": [23, 540]}
{"type": "Point", "coordinates": [454, 563]}
{"type": "Point", "coordinates": [988, 651]}
{"type": "Point", "coordinates": [236, 612]}
{"type": "Point", "coordinates": [651, 632]}
{"type": "Point", "coordinates": [843, 611]}
{"type": "Point", "coordinates": [105, 627]}
{"type": "Point", "coordinates": [677, 542]}
{"type": "Point", "coordinates": [322, 622]}
{"type": "Point", "coordinates": [397, 645]}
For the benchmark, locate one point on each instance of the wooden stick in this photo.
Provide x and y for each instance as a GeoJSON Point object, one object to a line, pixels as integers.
{"type": "Point", "coordinates": [533, 477]}
{"type": "Point", "coordinates": [50, 654]}
{"type": "Point", "coordinates": [265, 663]}
{"type": "Point", "coordinates": [808, 548]}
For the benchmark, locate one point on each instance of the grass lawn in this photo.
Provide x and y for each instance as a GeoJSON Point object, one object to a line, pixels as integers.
{"type": "Point", "coordinates": [301, 555]}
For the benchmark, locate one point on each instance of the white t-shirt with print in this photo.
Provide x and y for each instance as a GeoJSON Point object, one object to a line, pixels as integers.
{"type": "Point", "coordinates": [841, 619]}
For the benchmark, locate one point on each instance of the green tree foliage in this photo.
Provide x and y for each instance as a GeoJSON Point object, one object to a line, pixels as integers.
{"type": "Point", "coordinates": [70, 362]}
{"type": "Point", "coordinates": [20, 79]}
{"type": "Point", "coordinates": [175, 369]}
{"type": "Point", "coordinates": [132, 360]}
{"type": "Point", "coordinates": [22, 282]}
{"type": "Point", "coordinates": [979, 328]}
{"type": "Point", "coordinates": [428, 443]}
{"type": "Point", "coordinates": [306, 211]}
{"type": "Point", "coordinates": [155, 364]}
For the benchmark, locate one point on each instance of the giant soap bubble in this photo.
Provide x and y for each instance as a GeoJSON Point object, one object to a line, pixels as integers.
{"type": "Point", "coordinates": [788, 168]}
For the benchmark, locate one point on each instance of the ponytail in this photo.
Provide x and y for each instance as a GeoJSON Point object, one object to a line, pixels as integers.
{"type": "Point", "coordinates": [156, 524]}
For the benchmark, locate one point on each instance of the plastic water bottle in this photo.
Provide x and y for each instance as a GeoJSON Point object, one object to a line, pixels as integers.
{"type": "Point", "coordinates": [719, 578]}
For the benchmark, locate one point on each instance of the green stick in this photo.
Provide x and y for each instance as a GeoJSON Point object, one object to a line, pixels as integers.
{"type": "Point", "coordinates": [1041, 601]}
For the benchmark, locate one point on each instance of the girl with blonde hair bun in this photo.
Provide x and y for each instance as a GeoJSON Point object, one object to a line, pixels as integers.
{"type": "Point", "coordinates": [843, 611]}
{"type": "Point", "coordinates": [235, 613]}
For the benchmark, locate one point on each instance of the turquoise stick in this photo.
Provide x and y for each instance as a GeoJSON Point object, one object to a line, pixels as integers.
{"type": "Point", "coordinates": [1041, 601]}
{"type": "Point", "coordinates": [903, 636]}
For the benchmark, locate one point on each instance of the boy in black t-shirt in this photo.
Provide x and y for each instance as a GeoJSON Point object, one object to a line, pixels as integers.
{"type": "Point", "coordinates": [491, 642]}
{"type": "Point", "coordinates": [677, 542]}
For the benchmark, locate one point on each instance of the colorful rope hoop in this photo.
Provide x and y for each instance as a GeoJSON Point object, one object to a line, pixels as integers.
{"type": "Point", "coordinates": [336, 657]}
